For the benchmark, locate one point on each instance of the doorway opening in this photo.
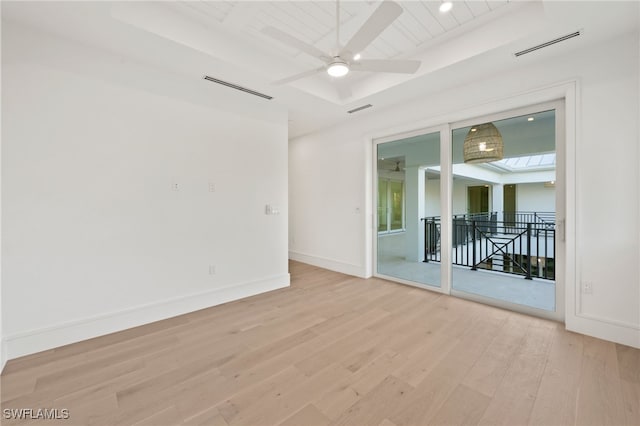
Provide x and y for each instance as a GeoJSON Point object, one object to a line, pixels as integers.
{"type": "Point", "coordinates": [478, 199]}
{"type": "Point", "coordinates": [509, 196]}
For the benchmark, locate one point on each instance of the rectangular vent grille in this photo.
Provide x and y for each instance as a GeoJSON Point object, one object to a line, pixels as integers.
{"type": "Point", "coordinates": [235, 86]}
{"type": "Point", "coordinates": [549, 43]}
{"type": "Point", "coordinates": [360, 108]}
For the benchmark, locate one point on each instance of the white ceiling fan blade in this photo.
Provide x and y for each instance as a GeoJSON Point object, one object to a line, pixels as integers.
{"type": "Point", "coordinates": [403, 66]}
{"type": "Point", "coordinates": [291, 41]}
{"type": "Point", "coordinates": [384, 15]}
{"type": "Point", "coordinates": [298, 76]}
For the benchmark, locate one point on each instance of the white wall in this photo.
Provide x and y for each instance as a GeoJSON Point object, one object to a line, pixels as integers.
{"type": "Point", "coordinates": [321, 203]}
{"type": "Point", "coordinates": [459, 197]}
{"type": "Point", "coordinates": [326, 191]}
{"type": "Point", "coordinates": [3, 348]}
{"type": "Point", "coordinates": [535, 197]}
{"type": "Point", "coordinates": [529, 197]}
{"type": "Point", "coordinates": [96, 240]}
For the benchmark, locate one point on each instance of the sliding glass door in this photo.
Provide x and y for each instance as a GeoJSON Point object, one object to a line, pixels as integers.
{"type": "Point", "coordinates": [482, 225]}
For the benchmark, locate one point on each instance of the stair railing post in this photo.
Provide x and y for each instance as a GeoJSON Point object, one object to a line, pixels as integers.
{"type": "Point", "coordinates": [434, 239]}
{"type": "Point", "coordinates": [473, 241]}
{"type": "Point", "coordinates": [529, 260]}
{"type": "Point", "coordinates": [426, 252]}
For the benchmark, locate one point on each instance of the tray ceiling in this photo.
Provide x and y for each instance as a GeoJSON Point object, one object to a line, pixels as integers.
{"type": "Point", "coordinates": [314, 22]}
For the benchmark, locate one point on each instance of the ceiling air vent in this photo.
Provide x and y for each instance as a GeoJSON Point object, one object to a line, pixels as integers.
{"type": "Point", "coordinates": [549, 43]}
{"type": "Point", "coordinates": [360, 108]}
{"type": "Point", "coordinates": [235, 86]}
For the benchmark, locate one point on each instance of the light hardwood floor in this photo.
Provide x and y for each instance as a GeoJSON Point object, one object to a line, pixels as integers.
{"type": "Point", "coordinates": [335, 350]}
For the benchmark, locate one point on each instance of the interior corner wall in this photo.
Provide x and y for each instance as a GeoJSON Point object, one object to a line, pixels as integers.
{"type": "Point", "coordinates": [327, 192]}
{"type": "Point", "coordinates": [122, 206]}
{"type": "Point", "coordinates": [327, 170]}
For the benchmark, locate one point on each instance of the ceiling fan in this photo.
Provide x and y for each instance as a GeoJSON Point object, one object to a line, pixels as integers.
{"type": "Point", "coordinates": [345, 58]}
{"type": "Point", "coordinates": [396, 169]}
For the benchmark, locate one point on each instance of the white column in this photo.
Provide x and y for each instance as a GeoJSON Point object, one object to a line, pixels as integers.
{"type": "Point", "coordinates": [497, 197]}
{"type": "Point", "coordinates": [414, 205]}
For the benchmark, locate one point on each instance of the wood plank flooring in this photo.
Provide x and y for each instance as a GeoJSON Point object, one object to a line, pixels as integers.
{"type": "Point", "coordinates": [334, 350]}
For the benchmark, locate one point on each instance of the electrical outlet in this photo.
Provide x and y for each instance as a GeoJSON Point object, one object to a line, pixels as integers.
{"type": "Point", "coordinates": [587, 287]}
{"type": "Point", "coordinates": [212, 269]}
{"type": "Point", "coordinates": [175, 186]}
{"type": "Point", "coordinates": [212, 187]}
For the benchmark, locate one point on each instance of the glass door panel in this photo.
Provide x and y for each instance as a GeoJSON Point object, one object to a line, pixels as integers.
{"type": "Point", "coordinates": [408, 240]}
{"type": "Point", "coordinates": [503, 239]}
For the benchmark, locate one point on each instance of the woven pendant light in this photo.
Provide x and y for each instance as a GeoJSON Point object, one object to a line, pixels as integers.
{"type": "Point", "coordinates": [482, 144]}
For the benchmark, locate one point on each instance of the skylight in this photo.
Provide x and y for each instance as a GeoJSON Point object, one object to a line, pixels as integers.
{"type": "Point", "coordinates": [526, 163]}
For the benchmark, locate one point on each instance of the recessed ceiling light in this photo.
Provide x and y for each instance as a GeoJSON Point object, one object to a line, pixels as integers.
{"type": "Point", "coordinates": [357, 57]}
{"type": "Point", "coordinates": [445, 6]}
{"type": "Point", "coordinates": [530, 119]}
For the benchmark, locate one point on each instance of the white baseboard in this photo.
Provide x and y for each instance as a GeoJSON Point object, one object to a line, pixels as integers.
{"type": "Point", "coordinates": [331, 264]}
{"type": "Point", "coordinates": [33, 341]}
{"type": "Point", "coordinates": [624, 334]}
{"type": "Point", "coordinates": [3, 354]}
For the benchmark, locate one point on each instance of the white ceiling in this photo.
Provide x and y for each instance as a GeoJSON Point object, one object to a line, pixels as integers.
{"type": "Point", "coordinates": [187, 40]}
{"type": "Point", "coordinates": [314, 22]}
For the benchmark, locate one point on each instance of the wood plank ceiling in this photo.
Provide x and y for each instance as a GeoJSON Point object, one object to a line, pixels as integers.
{"type": "Point", "coordinates": [315, 22]}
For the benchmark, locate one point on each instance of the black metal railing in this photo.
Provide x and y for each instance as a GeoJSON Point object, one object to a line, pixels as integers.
{"type": "Point", "coordinates": [480, 241]}
{"type": "Point", "coordinates": [432, 227]}
{"type": "Point", "coordinates": [541, 218]}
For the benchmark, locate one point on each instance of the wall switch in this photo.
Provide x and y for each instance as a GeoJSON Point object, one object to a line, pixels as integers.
{"type": "Point", "coordinates": [212, 269]}
{"type": "Point", "coordinates": [271, 210]}
{"type": "Point", "coordinates": [587, 287]}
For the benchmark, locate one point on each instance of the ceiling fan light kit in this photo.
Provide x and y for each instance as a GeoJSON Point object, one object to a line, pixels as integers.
{"type": "Point", "coordinates": [335, 64]}
{"type": "Point", "coordinates": [483, 144]}
{"type": "Point", "coordinates": [338, 68]}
